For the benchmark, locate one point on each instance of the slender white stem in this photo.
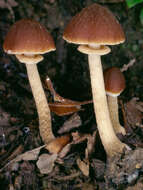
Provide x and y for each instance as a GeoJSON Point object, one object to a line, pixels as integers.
{"type": "Point", "coordinates": [114, 114]}
{"type": "Point", "coordinates": [108, 137]}
{"type": "Point", "coordinates": [41, 103]}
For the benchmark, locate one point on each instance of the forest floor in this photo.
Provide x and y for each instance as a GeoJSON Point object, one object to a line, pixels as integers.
{"type": "Point", "coordinates": [82, 164]}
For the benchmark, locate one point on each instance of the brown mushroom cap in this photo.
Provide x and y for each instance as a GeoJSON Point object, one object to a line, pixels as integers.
{"type": "Point", "coordinates": [114, 81]}
{"type": "Point", "coordinates": [95, 24]}
{"type": "Point", "coordinates": [27, 36]}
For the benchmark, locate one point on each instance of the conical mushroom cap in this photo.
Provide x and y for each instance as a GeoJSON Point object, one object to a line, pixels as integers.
{"type": "Point", "coordinates": [95, 24]}
{"type": "Point", "coordinates": [114, 81]}
{"type": "Point", "coordinates": [27, 36]}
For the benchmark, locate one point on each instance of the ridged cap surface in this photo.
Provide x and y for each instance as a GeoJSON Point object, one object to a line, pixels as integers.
{"type": "Point", "coordinates": [95, 24]}
{"type": "Point", "coordinates": [114, 80]}
{"type": "Point", "coordinates": [28, 36]}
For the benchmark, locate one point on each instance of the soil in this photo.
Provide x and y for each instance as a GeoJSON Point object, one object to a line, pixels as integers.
{"type": "Point", "coordinates": [83, 164]}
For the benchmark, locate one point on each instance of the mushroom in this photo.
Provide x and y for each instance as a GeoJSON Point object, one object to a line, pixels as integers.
{"type": "Point", "coordinates": [93, 28]}
{"type": "Point", "coordinates": [27, 40]}
{"type": "Point", "coordinates": [114, 84]}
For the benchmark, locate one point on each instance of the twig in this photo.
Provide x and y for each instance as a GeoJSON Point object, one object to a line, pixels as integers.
{"type": "Point", "coordinates": [127, 66]}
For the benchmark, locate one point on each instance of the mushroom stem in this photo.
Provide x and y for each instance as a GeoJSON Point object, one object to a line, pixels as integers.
{"type": "Point", "coordinates": [108, 137]}
{"type": "Point", "coordinates": [41, 103]}
{"type": "Point", "coordinates": [114, 114]}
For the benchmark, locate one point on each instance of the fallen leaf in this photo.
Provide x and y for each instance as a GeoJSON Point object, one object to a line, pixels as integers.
{"type": "Point", "coordinates": [50, 87]}
{"type": "Point", "coordinates": [63, 108]}
{"type": "Point", "coordinates": [83, 166]}
{"type": "Point", "coordinates": [46, 162]}
{"type": "Point", "coordinates": [29, 155]}
{"type": "Point", "coordinates": [78, 138]}
{"type": "Point", "coordinates": [65, 150]}
{"type": "Point", "coordinates": [133, 112]}
{"type": "Point", "coordinates": [57, 144]}
{"type": "Point", "coordinates": [73, 122]}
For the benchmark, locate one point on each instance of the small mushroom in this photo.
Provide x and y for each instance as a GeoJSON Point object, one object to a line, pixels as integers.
{"type": "Point", "coordinates": [93, 28]}
{"type": "Point", "coordinates": [27, 40]}
{"type": "Point", "coordinates": [114, 85]}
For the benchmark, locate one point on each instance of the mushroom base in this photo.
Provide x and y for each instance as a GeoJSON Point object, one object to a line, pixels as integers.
{"type": "Point", "coordinates": [107, 134]}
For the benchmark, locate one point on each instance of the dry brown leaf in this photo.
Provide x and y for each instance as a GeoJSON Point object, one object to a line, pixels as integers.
{"type": "Point", "coordinates": [29, 155]}
{"type": "Point", "coordinates": [46, 162]}
{"type": "Point", "coordinates": [133, 112]}
{"type": "Point", "coordinates": [67, 106]}
{"type": "Point", "coordinates": [63, 106]}
{"type": "Point", "coordinates": [56, 145]}
{"type": "Point", "coordinates": [78, 138]}
{"type": "Point", "coordinates": [83, 166]}
{"type": "Point", "coordinates": [56, 96]}
{"type": "Point", "coordinates": [65, 150]}
{"type": "Point", "coordinates": [73, 122]}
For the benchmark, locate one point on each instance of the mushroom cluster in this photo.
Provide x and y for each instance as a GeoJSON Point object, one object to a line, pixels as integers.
{"type": "Point", "coordinates": [92, 29]}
